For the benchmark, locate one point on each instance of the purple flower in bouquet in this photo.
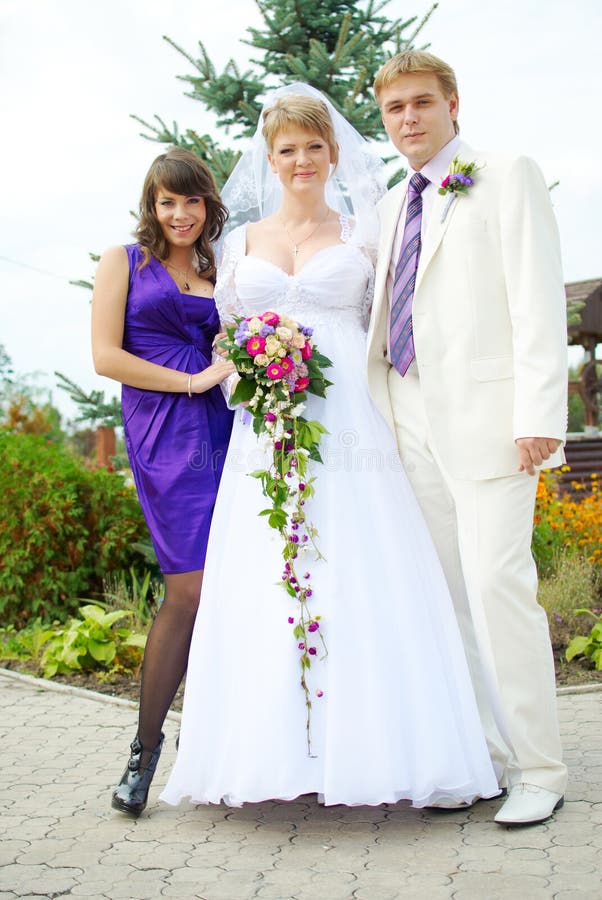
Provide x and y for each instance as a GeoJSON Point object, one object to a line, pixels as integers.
{"type": "Point", "coordinates": [241, 334]}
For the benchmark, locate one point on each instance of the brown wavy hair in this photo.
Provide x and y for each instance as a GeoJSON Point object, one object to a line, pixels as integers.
{"type": "Point", "coordinates": [180, 172]}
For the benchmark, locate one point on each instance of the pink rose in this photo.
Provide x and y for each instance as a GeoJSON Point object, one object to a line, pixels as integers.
{"type": "Point", "coordinates": [306, 350]}
{"type": "Point", "coordinates": [270, 318]}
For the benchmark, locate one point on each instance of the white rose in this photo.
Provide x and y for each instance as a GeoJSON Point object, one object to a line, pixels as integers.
{"type": "Point", "coordinates": [272, 345]}
{"type": "Point", "coordinates": [285, 334]}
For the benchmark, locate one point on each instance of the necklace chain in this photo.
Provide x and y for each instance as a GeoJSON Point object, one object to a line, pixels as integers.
{"type": "Point", "coordinates": [182, 274]}
{"type": "Point", "coordinates": [297, 244]}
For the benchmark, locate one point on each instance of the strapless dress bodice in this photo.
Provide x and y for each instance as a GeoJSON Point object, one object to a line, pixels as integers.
{"type": "Point", "coordinates": [332, 285]}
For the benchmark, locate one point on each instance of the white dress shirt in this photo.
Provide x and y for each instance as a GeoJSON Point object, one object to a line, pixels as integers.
{"type": "Point", "coordinates": [435, 170]}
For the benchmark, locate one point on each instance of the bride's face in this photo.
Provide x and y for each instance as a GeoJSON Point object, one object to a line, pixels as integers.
{"type": "Point", "coordinates": [301, 159]}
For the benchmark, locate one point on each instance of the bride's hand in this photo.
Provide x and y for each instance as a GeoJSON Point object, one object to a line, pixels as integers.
{"type": "Point", "coordinates": [219, 350]}
{"type": "Point", "coordinates": [212, 375]}
{"type": "Point", "coordinates": [233, 387]}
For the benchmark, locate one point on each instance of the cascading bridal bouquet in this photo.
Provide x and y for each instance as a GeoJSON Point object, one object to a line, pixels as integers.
{"type": "Point", "coordinates": [279, 365]}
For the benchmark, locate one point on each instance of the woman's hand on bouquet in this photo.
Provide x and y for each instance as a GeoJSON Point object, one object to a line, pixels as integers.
{"type": "Point", "coordinates": [212, 375]}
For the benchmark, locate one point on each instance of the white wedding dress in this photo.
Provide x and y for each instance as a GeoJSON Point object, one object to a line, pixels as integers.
{"type": "Point", "coordinates": [398, 718]}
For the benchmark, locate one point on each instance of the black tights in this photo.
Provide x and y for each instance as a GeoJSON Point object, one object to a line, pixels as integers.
{"type": "Point", "coordinates": [166, 655]}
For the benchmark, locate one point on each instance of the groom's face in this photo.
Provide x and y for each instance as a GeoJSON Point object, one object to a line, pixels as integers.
{"type": "Point", "coordinates": [418, 118]}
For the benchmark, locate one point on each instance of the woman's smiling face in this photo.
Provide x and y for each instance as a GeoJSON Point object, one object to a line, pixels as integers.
{"type": "Point", "coordinates": [301, 159]}
{"type": "Point", "coordinates": [181, 218]}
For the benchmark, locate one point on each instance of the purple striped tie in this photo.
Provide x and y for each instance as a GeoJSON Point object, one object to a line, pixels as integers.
{"type": "Point", "coordinates": [402, 342]}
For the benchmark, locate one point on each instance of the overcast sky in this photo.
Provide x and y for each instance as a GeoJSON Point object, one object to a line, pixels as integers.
{"type": "Point", "coordinates": [73, 160]}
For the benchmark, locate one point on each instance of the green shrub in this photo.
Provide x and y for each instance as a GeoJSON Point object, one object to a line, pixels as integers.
{"type": "Point", "coordinates": [589, 646]}
{"type": "Point", "coordinates": [91, 641]}
{"type": "Point", "coordinates": [26, 643]}
{"type": "Point", "coordinates": [575, 582]}
{"type": "Point", "coordinates": [63, 526]}
{"type": "Point", "coordinates": [139, 593]}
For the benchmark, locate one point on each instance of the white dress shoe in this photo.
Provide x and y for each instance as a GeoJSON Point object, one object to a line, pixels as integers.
{"type": "Point", "coordinates": [528, 804]}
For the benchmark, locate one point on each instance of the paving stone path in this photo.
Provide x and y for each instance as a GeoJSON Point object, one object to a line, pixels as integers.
{"type": "Point", "coordinates": [62, 749]}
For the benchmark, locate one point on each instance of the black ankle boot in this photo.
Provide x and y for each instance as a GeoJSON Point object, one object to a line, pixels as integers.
{"type": "Point", "coordinates": [131, 793]}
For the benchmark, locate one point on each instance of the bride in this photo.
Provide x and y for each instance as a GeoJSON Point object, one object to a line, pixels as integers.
{"type": "Point", "coordinates": [393, 714]}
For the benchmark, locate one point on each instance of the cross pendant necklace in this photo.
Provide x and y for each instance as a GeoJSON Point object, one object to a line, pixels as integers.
{"type": "Point", "coordinates": [295, 246]}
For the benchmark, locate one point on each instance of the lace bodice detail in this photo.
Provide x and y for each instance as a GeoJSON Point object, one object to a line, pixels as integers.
{"type": "Point", "coordinates": [335, 284]}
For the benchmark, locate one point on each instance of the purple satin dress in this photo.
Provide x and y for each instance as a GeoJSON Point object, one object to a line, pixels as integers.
{"type": "Point", "coordinates": [176, 444]}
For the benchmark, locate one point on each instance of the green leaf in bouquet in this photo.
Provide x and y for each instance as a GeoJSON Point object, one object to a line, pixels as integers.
{"type": "Point", "coordinates": [314, 454]}
{"type": "Point", "coordinates": [317, 387]}
{"type": "Point", "coordinates": [322, 361]}
{"type": "Point", "coordinates": [244, 391]}
{"type": "Point", "coordinates": [316, 430]}
{"type": "Point", "coordinates": [278, 518]}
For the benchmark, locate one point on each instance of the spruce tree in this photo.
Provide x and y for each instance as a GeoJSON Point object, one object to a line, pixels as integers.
{"type": "Point", "coordinates": [335, 45]}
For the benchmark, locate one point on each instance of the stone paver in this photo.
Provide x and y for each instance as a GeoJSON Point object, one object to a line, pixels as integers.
{"type": "Point", "coordinates": [62, 750]}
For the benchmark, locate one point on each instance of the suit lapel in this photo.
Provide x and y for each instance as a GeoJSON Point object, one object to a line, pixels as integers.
{"type": "Point", "coordinates": [441, 214]}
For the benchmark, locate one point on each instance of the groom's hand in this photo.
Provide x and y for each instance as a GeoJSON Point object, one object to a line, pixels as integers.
{"type": "Point", "coordinates": [533, 451]}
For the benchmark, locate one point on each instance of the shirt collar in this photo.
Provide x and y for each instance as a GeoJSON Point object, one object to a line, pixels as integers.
{"type": "Point", "coordinates": [438, 167]}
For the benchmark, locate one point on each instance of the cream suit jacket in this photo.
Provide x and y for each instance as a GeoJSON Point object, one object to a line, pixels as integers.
{"type": "Point", "coordinates": [489, 318]}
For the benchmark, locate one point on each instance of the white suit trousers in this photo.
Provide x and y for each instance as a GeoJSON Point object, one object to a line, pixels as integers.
{"type": "Point", "coordinates": [482, 531]}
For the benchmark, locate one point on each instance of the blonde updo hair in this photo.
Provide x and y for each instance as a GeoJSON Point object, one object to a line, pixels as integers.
{"type": "Point", "coordinates": [305, 112]}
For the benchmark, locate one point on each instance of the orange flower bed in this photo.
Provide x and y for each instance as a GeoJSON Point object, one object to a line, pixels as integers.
{"type": "Point", "coordinates": [563, 519]}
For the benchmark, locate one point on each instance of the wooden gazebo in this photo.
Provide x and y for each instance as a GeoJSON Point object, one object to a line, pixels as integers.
{"type": "Point", "coordinates": [587, 333]}
{"type": "Point", "coordinates": [584, 451]}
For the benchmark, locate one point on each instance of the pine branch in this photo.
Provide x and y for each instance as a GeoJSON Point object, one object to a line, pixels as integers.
{"type": "Point", "coordinates": [93, 406]}
{"type": "Point", "coordinates": [409, 42]}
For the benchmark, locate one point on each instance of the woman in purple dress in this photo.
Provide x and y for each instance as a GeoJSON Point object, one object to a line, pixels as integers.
{"type": "Point", "coordinates": [153, 324]}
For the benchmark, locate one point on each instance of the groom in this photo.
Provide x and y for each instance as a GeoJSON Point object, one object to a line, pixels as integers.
{"type": "Point", "coordinates": [467, 360]}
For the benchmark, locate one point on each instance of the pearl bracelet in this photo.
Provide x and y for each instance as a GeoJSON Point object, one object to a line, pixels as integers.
{"type": "Point", "coordinates": [190, 386]}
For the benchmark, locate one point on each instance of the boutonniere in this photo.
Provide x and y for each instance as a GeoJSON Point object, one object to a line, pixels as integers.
{"type": "Point", "coordinates": [459, 180]}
